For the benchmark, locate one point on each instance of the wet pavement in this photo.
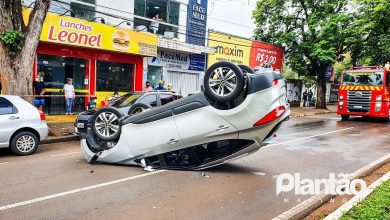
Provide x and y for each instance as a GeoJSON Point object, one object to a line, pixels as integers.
{"type": "Point", "coordinates": [56, 183]}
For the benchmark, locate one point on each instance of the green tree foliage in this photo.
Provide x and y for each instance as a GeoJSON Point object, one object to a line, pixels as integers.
{"type": "Point", "coordinates": [315, 34]}
{"type": "Point", "coordinates": [374, 44]}
{"type": "Point", "coordinates": [13, 39]}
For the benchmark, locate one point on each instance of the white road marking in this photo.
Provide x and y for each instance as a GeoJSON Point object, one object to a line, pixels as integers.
{"type": "Point", "coordinates": [3, 163]}
{"type": "Point", "coordinates": [40, 199]}
{"type": "Point", "coordinates": [313, 136]}
{"type": "Point", "coordinates": [57, 155]}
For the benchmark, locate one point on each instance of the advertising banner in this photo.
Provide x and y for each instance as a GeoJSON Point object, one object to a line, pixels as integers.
{"type": "Point", "coordinates": [229, 48]}
{"type": "Point", "coordinates": [174, 60]}
{"type": "Point", "coordinates": [242, 51]}
{"type": "Point", "coordinates": [82, 33]}
{"type": "Point", "coordinates": [263, 53]}
{"type": "Point", "coordinates": [196, 22]}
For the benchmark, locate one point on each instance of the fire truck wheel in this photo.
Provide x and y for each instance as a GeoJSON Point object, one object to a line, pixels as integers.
{"type": "Point", "coordinates": [345, 117]}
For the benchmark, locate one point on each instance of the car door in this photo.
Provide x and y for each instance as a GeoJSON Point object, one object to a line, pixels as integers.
{"type": "Point", "coordinates": [152, 136]}
{"type": "Point", "coordinates": [149, 100]}
{"type": "Point", "coordinates": [202, 125]}
{"type": "Point", "coordinates": [10, 119]}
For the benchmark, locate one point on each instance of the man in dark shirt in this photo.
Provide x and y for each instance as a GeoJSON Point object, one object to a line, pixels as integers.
{"type": "Point", "coordinates": [38, 91]}
{"type": "Point", "coordinates": [1, 87]}
{"type": "Point", "coordinates": [160, 85]}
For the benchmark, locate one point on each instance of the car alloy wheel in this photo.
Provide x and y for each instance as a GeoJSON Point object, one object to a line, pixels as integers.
{"type": "Point", "coordinates": [223, 81]}
{"type": "Point", "coordinates": [105, 124]}
{"type": "Point", "coordinates": [25, 143]}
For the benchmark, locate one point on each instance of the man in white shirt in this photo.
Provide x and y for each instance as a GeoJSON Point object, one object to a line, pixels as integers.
{"type": "Point", "coordinates": [69, 94]}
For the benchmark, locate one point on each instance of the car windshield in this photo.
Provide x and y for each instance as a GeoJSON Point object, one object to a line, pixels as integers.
{"type": "Point", "coordinates": [363, 78]}
{"type": "Point", "coordinates": [126, 100]}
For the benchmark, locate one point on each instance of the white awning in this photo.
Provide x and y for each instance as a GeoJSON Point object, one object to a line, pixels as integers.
{"type": "Point", "coordinates": [176, 45]}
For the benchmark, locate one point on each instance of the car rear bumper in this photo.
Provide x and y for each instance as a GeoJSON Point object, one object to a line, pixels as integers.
{"type": "Point", "coordinates": [43, 131]}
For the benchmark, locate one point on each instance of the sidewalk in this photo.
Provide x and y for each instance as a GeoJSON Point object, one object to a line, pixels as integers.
{"type": "Point", "coordinates": [308, 111]}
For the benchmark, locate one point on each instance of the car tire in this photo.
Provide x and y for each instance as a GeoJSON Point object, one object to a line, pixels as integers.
{"type": "Point", "coordinates": [345, 117]}
{"type": "Point", "coordinates": [223, 81]}
{"type": "Point", "coordinates": [246, 69]}
{"type": "Point", "coordinates": [24, 143]}
{"type": "Point", "coordinates": [138, 108]}
{"type": "Point", "coordinates": [105, 123]}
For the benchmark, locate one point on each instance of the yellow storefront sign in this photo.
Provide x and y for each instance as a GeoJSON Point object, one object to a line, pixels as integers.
{"type": "Point", "coordinates": [82, 33]}
{"type": "Point", "coordinates": [229, 48]}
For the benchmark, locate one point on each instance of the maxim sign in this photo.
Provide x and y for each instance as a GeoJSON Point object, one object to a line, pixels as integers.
{"type": "Point", "coordinates": [243, 51]}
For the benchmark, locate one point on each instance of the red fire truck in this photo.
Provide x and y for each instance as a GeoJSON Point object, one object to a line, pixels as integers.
{"type": "Point", "coordinates": [364, 91]}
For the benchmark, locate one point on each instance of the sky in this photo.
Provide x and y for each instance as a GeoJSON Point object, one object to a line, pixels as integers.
{"type": "Point", "coordinates": [236, 16]}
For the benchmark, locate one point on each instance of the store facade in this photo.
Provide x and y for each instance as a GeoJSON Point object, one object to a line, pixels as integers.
{"type": "Point", "coordinates": [244, 51]}
{"type": "Point", "coordinates": [100, 59]}
{"type": "Point", "coordinates": [183, 70]}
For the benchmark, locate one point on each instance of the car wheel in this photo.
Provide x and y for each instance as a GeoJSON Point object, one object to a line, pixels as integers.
{"type": "Point", "coordinates": [24, 143]}
{"type": "Point", "coordinates": [106, 125]}
{"type": "Point", "coordinates": [138, 108]}
{"type": "Point", "coordinates": [345, 117]}
{"type": "Point", "coordinates": [246, 69]}
{"type": "Point", "coordinates": [223, 81]}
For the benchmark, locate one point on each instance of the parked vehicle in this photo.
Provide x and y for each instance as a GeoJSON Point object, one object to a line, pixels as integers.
{"type": "Point", "coordinates": [238, 113]}
{"type": "Point", "coordinates": [130, 103]}
{"type": "Point", "coordinates": [23, 126]}
{"type": "Point", "coordinates": [364, 91]}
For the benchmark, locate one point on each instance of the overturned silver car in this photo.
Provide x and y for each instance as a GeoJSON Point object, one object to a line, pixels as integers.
{"type": "Point", "coordinates": [237, 113]}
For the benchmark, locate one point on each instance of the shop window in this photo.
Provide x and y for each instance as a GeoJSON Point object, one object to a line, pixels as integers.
{"type": "Point", "coordinates": [162, 10]}
{"type": "Point", "coordinates": [114, 76]}
{"type": "Point", "coordinates": [139, 7]}
{"type": "Point", "coordinates": [56, 69]}
{"type": "Point", "coordinates": [84, 11]}
{"type": "Point", "coordinates": [173, 10]}
{"type": "Point", "coordinates": [154, 75]}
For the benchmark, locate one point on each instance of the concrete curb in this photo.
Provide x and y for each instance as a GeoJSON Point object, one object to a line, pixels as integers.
{"type": "Point", "coordinates": [312, 114]}
{"type": "Point", "coordinates": [306, 207]}
{"type": "Point", "coordinates": [61, 139]}
{"type": "Point", "coordinates": [357, 199]}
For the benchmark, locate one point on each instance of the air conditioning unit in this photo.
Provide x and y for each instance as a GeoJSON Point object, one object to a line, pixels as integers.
{"type": "Point", "coordinates": [169, 34]}
{"type": "Point", "coordinates": [141, 28]}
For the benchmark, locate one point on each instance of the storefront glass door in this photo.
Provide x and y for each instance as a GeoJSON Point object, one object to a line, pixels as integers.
{"type": "Point", "coordinates": [112, 77]}
{"type": "Point", "coordinates": [54, 70]}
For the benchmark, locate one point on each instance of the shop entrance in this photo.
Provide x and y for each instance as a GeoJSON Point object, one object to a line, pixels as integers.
{"type": "Point", "coordinates": [112, 77]}
{"type": "Point", "coordinates": [54, 71]}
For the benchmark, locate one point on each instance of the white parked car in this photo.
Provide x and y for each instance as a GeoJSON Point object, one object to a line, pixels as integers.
{"type": "Point", "coordinates": [22, 126]}
{"type": "Point", "coordinates": [238, 113]}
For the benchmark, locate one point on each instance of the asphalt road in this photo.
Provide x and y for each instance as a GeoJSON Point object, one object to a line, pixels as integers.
{"type": "Point", "coordinates": [57, 183]}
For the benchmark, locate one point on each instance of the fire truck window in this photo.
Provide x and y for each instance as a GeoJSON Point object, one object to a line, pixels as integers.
{"type": "Point", "coordinates": [388, 79]}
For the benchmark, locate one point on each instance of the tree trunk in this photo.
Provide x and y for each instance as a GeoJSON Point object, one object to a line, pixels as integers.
{"type": "Point", "coordinates": [16, 72]}
{"type": "Point", "coordinates": [321, 90]}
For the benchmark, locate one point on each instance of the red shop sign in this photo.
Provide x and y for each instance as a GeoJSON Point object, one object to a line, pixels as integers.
{"type": "Point", "coordinates": [262, 53]}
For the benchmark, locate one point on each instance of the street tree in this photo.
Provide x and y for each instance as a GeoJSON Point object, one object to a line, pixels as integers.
{"type": "Point", "coordinates": [374, 46]}
{"type": "Point", "coordinates": [315, 34]}
{"type": "Point", "coordinates": [18, 44]}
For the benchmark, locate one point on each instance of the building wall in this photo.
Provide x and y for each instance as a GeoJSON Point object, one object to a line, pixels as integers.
{"type": "Point", "coordinates": [125, 9]}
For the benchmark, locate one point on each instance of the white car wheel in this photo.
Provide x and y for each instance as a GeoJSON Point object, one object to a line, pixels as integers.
{"type": "Point", "coordinates": [24, 143]}
{"type": "Point", "coordinates": [106, 125]}
{"type": "Point", "coordinates": [224, 81]}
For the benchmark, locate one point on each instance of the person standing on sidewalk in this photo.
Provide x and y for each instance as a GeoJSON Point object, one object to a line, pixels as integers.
{"type": "Point", "coordinates": [69, 94]}
{"type": "Point", "coordinates": [39, 91]}
{"type": "Point", "coordinates": [310, 96]}
{"type": "Point", "coordinates": [305, 98]}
